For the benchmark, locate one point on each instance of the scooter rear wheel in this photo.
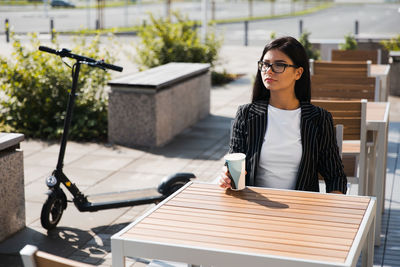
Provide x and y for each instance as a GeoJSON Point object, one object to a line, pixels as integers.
{"type": "Point", "coordinates": [52, 210]}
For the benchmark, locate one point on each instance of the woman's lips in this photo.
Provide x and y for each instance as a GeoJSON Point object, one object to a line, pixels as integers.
{"type": "Point", "coordinates": [269, 80]}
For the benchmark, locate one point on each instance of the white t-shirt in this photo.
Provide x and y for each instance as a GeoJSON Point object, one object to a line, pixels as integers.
{"type": "Point", "coordinates": [281, 150]}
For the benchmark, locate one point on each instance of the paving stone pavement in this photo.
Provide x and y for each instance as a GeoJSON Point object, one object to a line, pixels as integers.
{"type": "Point", "coordinates": [98, 168]}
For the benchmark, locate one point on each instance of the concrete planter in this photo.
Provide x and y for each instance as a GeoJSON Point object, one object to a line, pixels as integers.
{"type": "Point", "coordinates": [12, 194]}
{"type": "Point", "coordinates": [151, 107]}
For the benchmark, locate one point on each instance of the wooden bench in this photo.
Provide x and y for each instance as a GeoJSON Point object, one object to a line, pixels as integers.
{"type": "Point", "coordinates": [357, 55]}
{"type": "Point", "coordinates": [342, 68]}
{"type": "Point", "coordinates": [337, 87]}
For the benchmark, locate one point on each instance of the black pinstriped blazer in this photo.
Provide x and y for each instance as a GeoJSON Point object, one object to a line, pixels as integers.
{"type": "Point", "coordinates": [319, 146]}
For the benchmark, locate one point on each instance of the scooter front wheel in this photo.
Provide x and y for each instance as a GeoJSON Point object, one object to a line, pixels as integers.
{"type": "Point", "coordinates": [52, 209]}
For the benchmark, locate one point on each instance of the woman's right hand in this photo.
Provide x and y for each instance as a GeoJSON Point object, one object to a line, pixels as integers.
{"type": "Point", "coordinates": [225, 181]}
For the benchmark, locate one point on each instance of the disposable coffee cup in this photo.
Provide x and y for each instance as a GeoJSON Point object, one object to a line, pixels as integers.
{"type": "Point", "coordinates": [236, 163]}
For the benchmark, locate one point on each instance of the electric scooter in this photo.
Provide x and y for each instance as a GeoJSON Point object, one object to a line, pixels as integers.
{"type": "Point", "coordinates": [56, 202]}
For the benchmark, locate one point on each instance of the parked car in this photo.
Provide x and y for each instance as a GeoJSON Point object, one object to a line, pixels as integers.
{"type": "Point", "coordinates": [61, 3]}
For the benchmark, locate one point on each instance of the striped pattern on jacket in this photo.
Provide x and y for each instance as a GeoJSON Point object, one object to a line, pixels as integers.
{"type": "Point", "coordinates": [319, 146]}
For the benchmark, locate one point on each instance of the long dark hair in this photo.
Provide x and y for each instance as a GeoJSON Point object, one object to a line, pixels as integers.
{"type": "Point", "coordinates": [296, 52]}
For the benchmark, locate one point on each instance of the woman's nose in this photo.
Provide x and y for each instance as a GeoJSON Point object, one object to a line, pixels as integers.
{"type": "Point", "coordinates": [269, 69]}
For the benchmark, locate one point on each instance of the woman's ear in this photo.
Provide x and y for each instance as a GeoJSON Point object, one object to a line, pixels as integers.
{"type": "Point", "coordinates": [299, 72]}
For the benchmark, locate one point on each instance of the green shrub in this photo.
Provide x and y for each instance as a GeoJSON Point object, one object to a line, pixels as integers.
{"type": "Point", "coordinates": [393, 44]}
{"type": "Point", "coordinates": [221, 78]}
{"type": "Point", "coordinates": [163, 41]}
{"type": "Point", "coordinates": [350, 43]}
{"type": "Point", "coordinates": [311, 53]}
{"type": "Point", "coordinates": [34, 88]}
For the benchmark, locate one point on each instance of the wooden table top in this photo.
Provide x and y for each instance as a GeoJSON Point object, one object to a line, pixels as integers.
{"type": "Point", "coordinates": [377, 111]}
{"type": "Point", "coordinates": [294, 224]}
{"type": "Point", "coordinates": [380, 69]}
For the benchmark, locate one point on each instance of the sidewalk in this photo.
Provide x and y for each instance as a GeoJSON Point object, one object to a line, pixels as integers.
{"type": "Point", "coordinates": [100, 168]}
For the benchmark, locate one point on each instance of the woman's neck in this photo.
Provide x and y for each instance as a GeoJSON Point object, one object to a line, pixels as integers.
{"type": "Point", "coordinates": [287, 102]}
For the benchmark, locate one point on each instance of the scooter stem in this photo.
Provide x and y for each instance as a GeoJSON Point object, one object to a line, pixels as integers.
{"type": "Point", "coordinates": [67, 122]}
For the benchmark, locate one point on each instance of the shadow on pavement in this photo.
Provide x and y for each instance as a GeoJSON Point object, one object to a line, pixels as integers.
{"type": "Point", "coordinates": [92, 245]}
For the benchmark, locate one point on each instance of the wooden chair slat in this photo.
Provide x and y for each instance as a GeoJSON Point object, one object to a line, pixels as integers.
{"type": "Point", "coordinates": [337, 105]}
{"type": "Point", "coordinates": [350, 122]}
{"type": "Point", "coordinates": [343, 87]}
{"type": "Point", "coordinates": [346, 113]}
{"type": "Point", "coordinates": [353, 69]}
{"type": "Point", "coordinates": [355, 55]}
{"type": "Point", "coordinates": [334, 79]}
{"type": "Point", "coordinates": [341, 64]}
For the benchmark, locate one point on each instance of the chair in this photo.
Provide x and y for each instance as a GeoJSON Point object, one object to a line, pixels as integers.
{"type": "Point", "coordinates": [341, 68]}
{"type": "Point", "coordinates": [352, 115]}
{"type": "Point", "coordinates": [32, 257]}
{"type": "Point", "coordinates": [357, 55]}
{"type": "Point", "coordinates": [338, 87]}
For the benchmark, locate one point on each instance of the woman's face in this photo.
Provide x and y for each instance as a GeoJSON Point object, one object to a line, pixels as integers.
{"type": "Point", "coordinates": [284, 81]}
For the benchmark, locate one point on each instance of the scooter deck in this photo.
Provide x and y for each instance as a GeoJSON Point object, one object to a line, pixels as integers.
{"type": "Point", "coordinates": [124, 195]}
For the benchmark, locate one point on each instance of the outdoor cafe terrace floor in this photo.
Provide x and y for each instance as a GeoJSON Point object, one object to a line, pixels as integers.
{"type": "Point", "coordinates": [97, 168]}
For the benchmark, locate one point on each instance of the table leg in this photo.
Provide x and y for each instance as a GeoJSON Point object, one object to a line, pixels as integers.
{"type": "Point", "coordinates": [371, 167]}
{"type": "Point", "coordinates": [118, 259]}
{"type": "Point", "coordinates": [385, 165]}
{"type": "Point", "coordinates": [368, 248]}
{"type": "Point", "coordinates": [380, 176]}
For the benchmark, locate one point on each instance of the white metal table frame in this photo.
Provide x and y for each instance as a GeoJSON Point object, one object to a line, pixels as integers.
{"type": "Point", "coordinates": [381, 72]}
{"type": "Point", "coordinates": [377, 159]}
{"type": "Point", "coordinates": [208, 256]}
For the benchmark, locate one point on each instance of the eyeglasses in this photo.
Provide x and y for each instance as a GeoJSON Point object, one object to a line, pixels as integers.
{"type": "Point", "coordinates": [275, 67]}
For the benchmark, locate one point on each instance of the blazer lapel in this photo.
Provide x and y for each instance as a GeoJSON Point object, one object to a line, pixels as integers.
{"type": "Point", "coordinates": [257, 123]}
{"type": "Point", "coordinates": [308, 132]}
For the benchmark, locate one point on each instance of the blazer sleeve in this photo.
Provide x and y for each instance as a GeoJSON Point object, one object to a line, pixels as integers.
{"type": "Point", "coordinates": [238, 142]}
{"type": "Point", "coordinates": [330, 164]}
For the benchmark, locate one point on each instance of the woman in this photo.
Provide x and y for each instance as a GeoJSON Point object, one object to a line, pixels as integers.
{"type": "Point", "coordinates": [287, 140]}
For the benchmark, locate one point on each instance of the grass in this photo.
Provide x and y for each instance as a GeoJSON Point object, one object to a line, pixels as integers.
{"type": "Point", "coordinates": [19, 3]}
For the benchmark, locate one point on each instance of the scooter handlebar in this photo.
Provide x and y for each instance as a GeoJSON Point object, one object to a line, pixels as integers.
{"type": "Point", "coordinates": [111, 66]}
{"type": "Point", "coordinates": [67, 53]}
{"type": "Point", "coordinates": [48, 50]}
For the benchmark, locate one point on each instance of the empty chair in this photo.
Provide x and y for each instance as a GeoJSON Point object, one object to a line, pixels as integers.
{"type": "Point", "coordinates": [357, 55]}
{"type": "Point", "coordinates": [352, 115]}
{"type": "Point", "coordinates": [337, 87]}
{"type": "Point", "coordinates": [342, 68]}
{"type": "Point", "coordinates": [32, 257]}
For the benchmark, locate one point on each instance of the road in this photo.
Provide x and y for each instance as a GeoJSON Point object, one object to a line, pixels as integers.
{"type": "Point", "coordinates": [37, 18]}
{"type": "Point", "coordinates": [332, 23]}
{"type": "Point", "coordinates": [381, 20]}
